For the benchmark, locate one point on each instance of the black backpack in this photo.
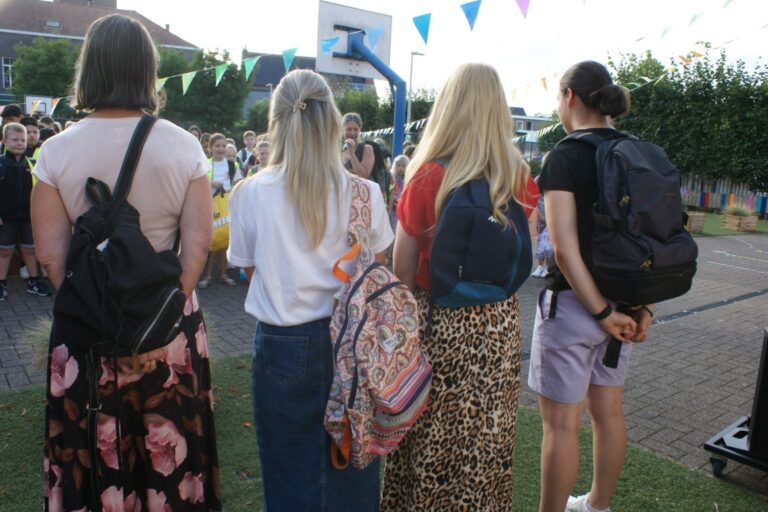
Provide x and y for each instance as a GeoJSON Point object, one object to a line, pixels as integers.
{"type": "Point", "coordinates": [475, 260]}
{"type": "Point", "coordinates": [119, 297]}
{"type": "Point", "coordinates": [379, 173]}
{"type": "Point", "coordinates": [642, 253]}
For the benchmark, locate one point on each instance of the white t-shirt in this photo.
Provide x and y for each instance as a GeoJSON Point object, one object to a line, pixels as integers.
{"type": "Point", "coordinates": [221, 173]}
{"type": "Point", "coordinates": [94, 147]}
{"type": "Point", "coordinates": [292, 284]}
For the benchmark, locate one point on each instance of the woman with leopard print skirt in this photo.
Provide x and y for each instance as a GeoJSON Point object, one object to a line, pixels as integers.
{"type": "Point", "coordinates": [459, 455]}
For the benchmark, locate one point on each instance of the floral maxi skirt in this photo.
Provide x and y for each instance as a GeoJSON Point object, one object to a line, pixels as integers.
{"type": "Point", "coordinates": [155, 433]}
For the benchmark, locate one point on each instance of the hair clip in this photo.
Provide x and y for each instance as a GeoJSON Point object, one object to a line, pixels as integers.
{"type": "Point", "coordinates": [300, 105]}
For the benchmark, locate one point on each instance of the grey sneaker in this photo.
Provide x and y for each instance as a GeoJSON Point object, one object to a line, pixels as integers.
{"type": "Point", "coordinates": [39, 288]}
{"type": "Point", "coordinates": [580, 504]}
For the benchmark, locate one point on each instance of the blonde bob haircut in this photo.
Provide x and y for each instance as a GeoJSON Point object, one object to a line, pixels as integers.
{"type": "Point", "coordinates": [470, 125]}
{"type": "Point", "coordinates": [304, 134]}
{"type": "Point", "coordinates": [117, 66]}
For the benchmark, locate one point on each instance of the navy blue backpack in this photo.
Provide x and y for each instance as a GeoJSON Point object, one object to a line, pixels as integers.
{"type": "Point", "coordinates": [475, 259]}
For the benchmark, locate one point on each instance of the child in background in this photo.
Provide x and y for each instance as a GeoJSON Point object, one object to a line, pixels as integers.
{"type": "Point", "coordinates": [222, 175]}
{"type": "Point", "coordinates": [543, 246]}
{"type": "Point", "coordinates": [33, 138]}
{"type": "Point", "coordinates": [260, 158]}
{"type": "Point", "coordinates": [249, 139]}
{"type": "Point", "coordinates": [398, 183]}
{"type": "Point", "coordinates": [205, 141]}
{"type": "Point", "coordinates": [15, 222]}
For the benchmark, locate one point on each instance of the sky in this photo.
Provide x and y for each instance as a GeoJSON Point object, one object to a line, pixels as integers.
{"type": "Point", "coordinates": [524, 50]}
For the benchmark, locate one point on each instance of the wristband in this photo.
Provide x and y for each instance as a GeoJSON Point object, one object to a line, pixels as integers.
{"type": "Point", "coordinates": [648, 310]}
{"type": "Point", "coordinates": [604, 313]}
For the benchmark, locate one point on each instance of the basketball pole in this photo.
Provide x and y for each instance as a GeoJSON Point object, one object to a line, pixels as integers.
{"type": "Point", "coordinates": [356, 49]}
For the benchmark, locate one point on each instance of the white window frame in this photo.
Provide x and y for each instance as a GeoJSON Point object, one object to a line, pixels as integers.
{"type": "Point", "coordinates": [7, 72]}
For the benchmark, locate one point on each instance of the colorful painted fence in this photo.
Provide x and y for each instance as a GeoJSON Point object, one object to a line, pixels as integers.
{"type": "Point", "coordinates": [722, 194]}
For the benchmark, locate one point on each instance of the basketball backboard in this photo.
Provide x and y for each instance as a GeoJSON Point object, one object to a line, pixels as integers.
{"type": "Point", "coordinates": [336, 20]}
{"type": "Point", "coordinates": [39, 104]}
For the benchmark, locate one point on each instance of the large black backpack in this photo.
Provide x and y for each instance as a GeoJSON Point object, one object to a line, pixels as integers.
{"type": "Point", "coordinates": [642, 253]}
{"type": "Point", "coordinates": [119, 297]}
{"type": "Point", "coordinates": [475, 259]}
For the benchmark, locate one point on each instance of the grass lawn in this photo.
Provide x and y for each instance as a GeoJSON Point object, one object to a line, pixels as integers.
{"type": "Point", "coordinates": [713, 223]}
{"type": "Point", "coordinates": [648, 483]}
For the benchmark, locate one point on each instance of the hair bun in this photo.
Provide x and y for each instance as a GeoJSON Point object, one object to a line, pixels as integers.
{"type": "Point", "coordinates": [611, 100]}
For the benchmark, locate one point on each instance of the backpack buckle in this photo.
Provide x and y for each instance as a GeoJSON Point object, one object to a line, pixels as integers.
{"type": "Point", "coordinates": [624, 200]}
{"type": "Point", "coordinates": [646, 264]}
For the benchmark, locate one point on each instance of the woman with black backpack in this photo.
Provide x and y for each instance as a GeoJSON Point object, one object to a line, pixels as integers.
{"type": "Point", "coordinates": [123, 432]}
{"type": "Point", "coordinates": [574, 321]}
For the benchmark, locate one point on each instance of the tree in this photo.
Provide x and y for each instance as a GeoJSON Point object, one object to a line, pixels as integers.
{"type": "Point", "coordinates": [365, 102]}
{"type": "Point", "coordinates": [44, 68]}
{"type": "Point", "coordinates": [213, 108]}
{"type": "Point", "coordinates": [258, 116]}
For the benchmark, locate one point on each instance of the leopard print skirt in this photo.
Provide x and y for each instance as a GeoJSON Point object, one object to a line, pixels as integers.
{"type": "Point", "coordinates": [459, 455]}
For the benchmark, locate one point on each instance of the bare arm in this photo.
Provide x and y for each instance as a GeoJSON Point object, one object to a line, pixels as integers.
{"type": "Point", "coordinates": [51, 230]}
{"type": "Point", "coordinates": [196, 231]}
{"type": "Point", "coordinates": [561, 222]}
{"type": "Point", "coordinates": [406, 257]}
{"type": "Point", "coordinates": [362, 167]}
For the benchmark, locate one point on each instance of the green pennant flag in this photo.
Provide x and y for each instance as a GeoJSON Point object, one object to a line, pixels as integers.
{"type": "Point", "coordinates": [220, 69]}
{"type": "Point", "coordinates": [186, 79]}
{"type": "Point", "coordinates": [288, 56]}
{"type": "Point", "coordinates": [248, 65]}
{"type": "Point", "coordinates": [160, 84]}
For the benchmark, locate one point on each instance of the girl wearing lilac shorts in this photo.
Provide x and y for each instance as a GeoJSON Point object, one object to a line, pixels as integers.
{"type": "Point", "coordinates": [574, 322]}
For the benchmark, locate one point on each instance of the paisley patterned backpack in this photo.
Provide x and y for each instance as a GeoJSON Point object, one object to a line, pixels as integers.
{"type": "Point", "coordinates": [381, 379]}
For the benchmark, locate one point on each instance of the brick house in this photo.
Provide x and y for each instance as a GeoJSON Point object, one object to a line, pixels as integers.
{"type": "Point", "coordinates": [22, 21]}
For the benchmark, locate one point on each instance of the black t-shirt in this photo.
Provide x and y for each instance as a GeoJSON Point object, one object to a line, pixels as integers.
{"type": "Point", "coordinates": [571, 167]}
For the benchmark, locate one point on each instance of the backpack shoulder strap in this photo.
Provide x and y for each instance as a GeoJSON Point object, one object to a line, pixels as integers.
{"type": "Point", "coordinates": [358, 228]}
{"type": "Point", "coordinates": [132, 156]}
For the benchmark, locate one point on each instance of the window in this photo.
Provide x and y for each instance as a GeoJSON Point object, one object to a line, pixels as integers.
{"type": "Point", "coordinates": [7, 69]}
{"type": "Point", "coordinates": [52, 24]}
{"type": "Point", "coordinates": [519, 125]}
{"type": "Point", "coordinates": [529, 126]}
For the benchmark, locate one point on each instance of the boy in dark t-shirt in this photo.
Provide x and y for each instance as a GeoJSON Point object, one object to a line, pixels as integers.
{"type": "Point", "coordinates": [15, 220]}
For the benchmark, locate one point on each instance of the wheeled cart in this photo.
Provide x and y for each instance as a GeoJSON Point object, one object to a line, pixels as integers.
{"type": "Point", "coordinates": [746, 440]}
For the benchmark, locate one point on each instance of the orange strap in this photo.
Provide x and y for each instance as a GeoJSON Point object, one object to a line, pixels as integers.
{"type": "Point", "coordinates": [346, 447]}
{"type": "Point", "coordinates": [340, 274]}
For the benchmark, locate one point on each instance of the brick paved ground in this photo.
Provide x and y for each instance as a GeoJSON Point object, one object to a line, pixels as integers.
{"type": "Point", "coordinates": [694, 377]}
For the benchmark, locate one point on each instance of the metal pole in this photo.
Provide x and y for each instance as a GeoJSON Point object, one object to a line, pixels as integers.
{"type": "Point", "coordinates": [357, 49]}
{"type": "Point", "coordinates": [410, 92]}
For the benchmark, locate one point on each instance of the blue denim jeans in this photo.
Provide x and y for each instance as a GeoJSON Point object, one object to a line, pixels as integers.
{"type": "Point", "coordinates": [292, 376]}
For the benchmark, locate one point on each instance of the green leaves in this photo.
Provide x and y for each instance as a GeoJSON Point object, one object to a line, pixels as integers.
{"type": "Point", "coordinates": [44, 68]}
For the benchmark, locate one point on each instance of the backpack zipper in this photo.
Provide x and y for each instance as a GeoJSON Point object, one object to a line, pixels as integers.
{"type": "Point", "coordinates": [151, 326]}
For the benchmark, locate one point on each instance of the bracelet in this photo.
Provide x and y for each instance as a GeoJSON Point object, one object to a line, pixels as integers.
{"type": "Point", "coordinates": [648, 310]}
{"type": "Point", "coordinates": [604, 313]}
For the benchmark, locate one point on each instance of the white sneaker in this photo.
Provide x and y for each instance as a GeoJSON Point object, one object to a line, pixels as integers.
{"type": "Point", "coordinates": [24, 273]}
{"type": "Point", "coordinates": [581, 504]}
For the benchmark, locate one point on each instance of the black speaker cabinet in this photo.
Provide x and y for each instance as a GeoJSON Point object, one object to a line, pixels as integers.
{"type": "Point", "coordinates": [758, 425]}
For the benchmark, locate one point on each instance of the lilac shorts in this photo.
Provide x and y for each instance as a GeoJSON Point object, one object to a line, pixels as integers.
{"type": "Point", "coordinates": [567, 350]}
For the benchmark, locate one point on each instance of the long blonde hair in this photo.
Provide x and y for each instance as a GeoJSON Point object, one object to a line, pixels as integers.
{"type": "Point", "coordinates": [470, 124]}
{"type": "Point", "coordinates": [304, 131]}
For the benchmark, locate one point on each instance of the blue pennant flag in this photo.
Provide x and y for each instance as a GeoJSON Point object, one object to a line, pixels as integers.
{"type": "Point", "coordinates": [288, 56]}
{"type": "Point", "coordinates": [326, 45]}
{"type": "Point", "coordinates": [374, 35]}
{"type": "Point", "coordinates": [470, 11]}
{"type": "Point", "coordinates": [422, 25]}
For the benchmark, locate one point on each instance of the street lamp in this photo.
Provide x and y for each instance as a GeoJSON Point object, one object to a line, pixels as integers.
{"type": "Point", "coordinates": [410, 94]}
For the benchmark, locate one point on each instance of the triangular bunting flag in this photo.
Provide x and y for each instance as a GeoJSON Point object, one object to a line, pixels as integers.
{"type": "Point", "coordinates": [523, 5]}
{"type": "Point", "coordinates": [544, 83]}
{"type": "Point", "coordinates": [326, 45]}
{"type": "Point", "coordinates": [695, 17]}
{"type": "Point", "coordinates": [470, 11]}
{"type": "Point", "coordinates": [288, 56]}
{"type": "Point", "coordinates": [160, 84]}
{"type": "Point", "coordinates": [220, 70]}
{"type": "Point", "coordinates": [422, 25]}
{"type": "Point", "coordinates": [248, 65]}
{"type": "Point", "coordinates": [186, 79]}
{"type": "Point", "coordinates": [665, 32]}
{"type": "Point", "coordinates": [374, 35]}
{"type": "Point", "coordinates": [54, 104]}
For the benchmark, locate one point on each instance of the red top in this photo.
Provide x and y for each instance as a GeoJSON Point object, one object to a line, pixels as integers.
{"type": "Point", "coordinates": [416, 211]}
